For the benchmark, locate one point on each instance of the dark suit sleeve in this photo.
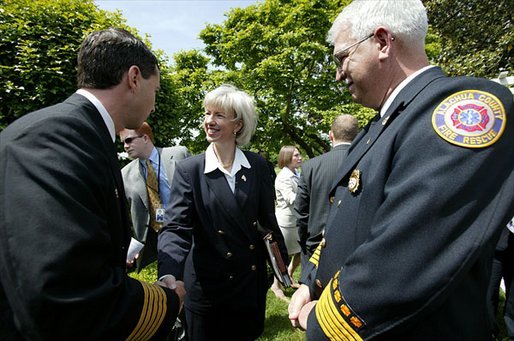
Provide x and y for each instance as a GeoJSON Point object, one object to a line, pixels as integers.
{"type": "Point", "coordinates": [301, 207]}
{"type": "Point", "coordinates": [175, 238]}
{"type": "Point", "coordinates": [62, 238]}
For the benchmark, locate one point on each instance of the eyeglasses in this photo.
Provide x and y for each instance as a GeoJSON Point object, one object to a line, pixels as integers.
{"type": "Point", "coordinates": [340, 55]}
{"type": "Point", "coordinates": [129, 140]}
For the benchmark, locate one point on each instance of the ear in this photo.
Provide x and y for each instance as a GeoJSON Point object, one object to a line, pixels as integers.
{"type": "Point", "coordinates": [385, 40]}
{"type": "Point", "coordinates": [133, 76]}
{"type": "Point", "coordinates": [239, 126]}
{"type": "Point", "coordinates": [331, 136]}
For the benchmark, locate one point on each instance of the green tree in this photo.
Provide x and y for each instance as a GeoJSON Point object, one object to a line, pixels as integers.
{"type": "Point", "coordinates": [477, 36]}
{"type": "Point", "coordinates": [38, 51]}
{"type": "Point", "coordinates": [277, 52]}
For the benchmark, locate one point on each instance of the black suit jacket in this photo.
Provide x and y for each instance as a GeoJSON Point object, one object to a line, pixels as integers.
{"type": "Point", "coordinates": [312, 200]}
{"type": "Point", "coordinates": [64, 232]}
{"type": "Point", "coordinates": [213, 239]}
{"type": "Point", "coordinates": [410, 238]}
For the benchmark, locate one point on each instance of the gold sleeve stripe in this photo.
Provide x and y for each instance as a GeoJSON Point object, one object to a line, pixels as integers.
{"type": "Point", "coordinates": [315, 256]}
{"type": "Point", "coordinates": [152, 313]}
{"type": "Point", "coordinates": [332, 323]}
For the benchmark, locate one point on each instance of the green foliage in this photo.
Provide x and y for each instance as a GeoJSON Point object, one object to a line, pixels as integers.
{"type": "Point", "coordinates": [38, 50]}
{"type": "Point", "coordinates": [277, 52]}
{"type": "Point", "coordinates": [477, 37]}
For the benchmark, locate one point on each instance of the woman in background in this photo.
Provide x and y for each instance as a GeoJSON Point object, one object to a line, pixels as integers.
{"type": "Point", "coordinates": [286, 187]}
{"type": "Point", "coordinates": [212, 241]}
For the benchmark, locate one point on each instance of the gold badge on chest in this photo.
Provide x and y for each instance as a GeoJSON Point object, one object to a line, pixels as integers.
{"type": "Point", "coordinates": [354, 181]}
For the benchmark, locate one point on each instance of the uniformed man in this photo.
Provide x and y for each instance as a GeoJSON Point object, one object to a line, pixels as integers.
{"type": "Point", "coordinates": [64, 225]}
{"type": "Point", "coordinates": [420, 200]}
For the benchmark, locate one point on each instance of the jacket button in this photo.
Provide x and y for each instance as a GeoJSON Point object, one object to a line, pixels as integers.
{"type": "Point", "coordinates": [318, 283]}
{"type": "Point", "coordinates": [229, 254]}
{"type": "Point", "coordinates": [254, 268]}
{"type": "Point", "coordinates": [254, 223]}
{"type": "Point", "coordinates": [221, 232]}
{"type": "Point", "coordinates": [230, 277]}
{"type": "Point", "coordinates": [251, 247]}
{"type": "Point", "coordinates": [331, 199]}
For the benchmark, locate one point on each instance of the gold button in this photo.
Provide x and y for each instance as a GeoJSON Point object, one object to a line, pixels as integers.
{"type": "Point", "coordinates": [229, 254]}
{"type": "Point", "coordinates": [323, 242]}
{"type": "Point", "coordinates": [318, 283]}
{"type": "Point", "coordinates": [251, 246]}
{"type": "Point", "coordinates": [221, 232]}
{"type": "Point", "coordinates": [254, 268]}
{"type": "Point", "coordinates": [331, 199]}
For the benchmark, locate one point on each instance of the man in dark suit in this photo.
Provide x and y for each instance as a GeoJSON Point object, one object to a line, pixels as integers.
{"type": "Point", "coordinates": [316, 180]}
{"type": "Point", "coordinates": [64, 226]}
{"type": "Point", "coordinates": [139, 144]}
{"type": "Point", "coordinates": [422, 196]}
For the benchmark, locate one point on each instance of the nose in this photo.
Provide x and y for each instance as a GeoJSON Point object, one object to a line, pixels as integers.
{"type": "Point", "coordinates": [125, 145]}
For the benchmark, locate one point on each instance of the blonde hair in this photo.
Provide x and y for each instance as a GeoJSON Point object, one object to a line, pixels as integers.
{"type": "Point", "coordinates": [229, 98]}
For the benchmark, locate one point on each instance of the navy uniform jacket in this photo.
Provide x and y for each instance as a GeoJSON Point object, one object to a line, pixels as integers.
{"type": "Point", "coordinates": [226, 268]}
{"type": "Point", "coordinates": [311, 204]}
{"type": "Point", "coordinates": [416, 216]}
{"type": "Point", "coordinates": [64, 233]}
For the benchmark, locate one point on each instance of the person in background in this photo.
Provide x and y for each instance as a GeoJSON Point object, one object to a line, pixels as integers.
{"type": "Point", "coordinates": [64, 223]}
{"type": "Point", "coordinates": [221, 203]}
{"type": "Point", "coordinates": [286, 187]}
{"type": "Point", "coordinates": [420, 201]}
{"type": "Point", "coordinates": [318, 174]}
{"type": "Point", "coordinates": [139, 145]}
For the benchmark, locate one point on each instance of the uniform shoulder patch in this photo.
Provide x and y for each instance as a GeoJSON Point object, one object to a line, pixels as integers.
{"type": "Point", "coordinates": [470, 118]}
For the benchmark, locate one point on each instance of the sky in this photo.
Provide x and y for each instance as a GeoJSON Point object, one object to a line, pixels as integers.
{"type": "Point", "coordinates": [173, 25]}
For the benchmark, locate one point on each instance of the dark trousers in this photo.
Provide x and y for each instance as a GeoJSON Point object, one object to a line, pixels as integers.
{"type": "Point", "coordinates": [224, 325]}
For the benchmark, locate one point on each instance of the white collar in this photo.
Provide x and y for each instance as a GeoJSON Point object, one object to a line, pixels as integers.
{"type": "Point", "coordinates": [212, 163]}
{"type": "Point", "coordinates": [103, 112]}
{"type": "Point", "coordinates": [400, 86]}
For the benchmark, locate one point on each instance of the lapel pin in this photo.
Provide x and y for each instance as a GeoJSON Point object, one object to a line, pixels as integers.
{"type": "Point", "coordinates": [354, 181]}
{"type": "Point", "coordinates": [243, 178]}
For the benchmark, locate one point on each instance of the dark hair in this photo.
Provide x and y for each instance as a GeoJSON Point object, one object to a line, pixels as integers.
{"type": "Point", "coordinates": [106, 55]}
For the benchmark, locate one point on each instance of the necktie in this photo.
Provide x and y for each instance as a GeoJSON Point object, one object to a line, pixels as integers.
{"type": "Point", "coordinates": [154, 201]}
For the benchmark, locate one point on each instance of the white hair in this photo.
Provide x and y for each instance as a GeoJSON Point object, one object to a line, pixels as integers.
{"type": "Point", "coordinates": [406, 19]}
{"type": "Point", "coordinates": [229, 98]}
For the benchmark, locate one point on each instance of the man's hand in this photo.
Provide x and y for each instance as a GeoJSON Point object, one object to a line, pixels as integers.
{"type": "Point", "coordinates": [300, 299]}
{"type": "Point", "coordinates": [177, 286]}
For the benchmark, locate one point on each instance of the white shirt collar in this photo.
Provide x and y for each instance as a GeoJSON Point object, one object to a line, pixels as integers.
{"type": "Point", "coordinates": [212, 163]}
{"type": "Point", "coordinates": [103, 112]}
{"type": "Point", "coordinates": [400, 86]}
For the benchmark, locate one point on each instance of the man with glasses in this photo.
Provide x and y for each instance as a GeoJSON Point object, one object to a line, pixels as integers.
{"type": "Point", "coordinates": [139, 145]}
{"type": "Point", "coordinates": [418, 205]}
